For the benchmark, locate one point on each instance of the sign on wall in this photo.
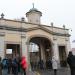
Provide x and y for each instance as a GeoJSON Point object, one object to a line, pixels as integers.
{"type": "Point", "coordinates": [8, 51]}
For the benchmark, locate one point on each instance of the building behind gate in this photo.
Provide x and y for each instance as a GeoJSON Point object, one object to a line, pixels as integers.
{"type": "Point", "coordinates": [17, 37]}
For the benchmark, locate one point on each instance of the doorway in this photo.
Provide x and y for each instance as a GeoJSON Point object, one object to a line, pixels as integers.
{"type": "Point", "coordinates": [62, 56]}
{"type": "Point", "coordinates": [12, 50]}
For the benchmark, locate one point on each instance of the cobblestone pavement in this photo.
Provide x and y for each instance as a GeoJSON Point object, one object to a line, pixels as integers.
{"type": "Point", "coordinates": [64, 71]}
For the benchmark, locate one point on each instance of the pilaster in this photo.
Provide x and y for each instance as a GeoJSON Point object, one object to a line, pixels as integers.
{"type": "Point", "coordinates": [25, 51]}
{"type": "Point", "coordinates": [68, 46]}
{"type": "Point", "coordinates": [2, 45]}
{"type": "Point", "coordinates": [55, 50]}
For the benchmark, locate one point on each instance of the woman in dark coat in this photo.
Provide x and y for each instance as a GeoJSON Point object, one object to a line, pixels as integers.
{"type": "Point", "coordinates": [0, 67]}
{"type": "Point", "coordinates": [71, 62]}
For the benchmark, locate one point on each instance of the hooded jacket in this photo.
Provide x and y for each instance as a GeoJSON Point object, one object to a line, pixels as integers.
{"type": "Point", "coordinates": [23, 63]}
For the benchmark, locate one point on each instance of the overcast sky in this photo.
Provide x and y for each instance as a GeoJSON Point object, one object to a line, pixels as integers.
{"type": "Point", "coordinates": [57, 11]}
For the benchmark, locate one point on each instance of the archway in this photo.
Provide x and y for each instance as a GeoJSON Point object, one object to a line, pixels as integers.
{"type": "Point", "coordinates": [40, 51]}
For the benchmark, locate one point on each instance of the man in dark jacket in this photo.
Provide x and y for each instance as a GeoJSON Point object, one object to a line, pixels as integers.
{"type": "Point", "coordinates": [71, 62]}
{"type": "Point", "coordinates": [15, 66]}
{"type": "Point", "coordinates": [9, 65]}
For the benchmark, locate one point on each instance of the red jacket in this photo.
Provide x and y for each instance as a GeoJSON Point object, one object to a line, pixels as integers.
{"type": "Point", "coordinates": [23, 63]}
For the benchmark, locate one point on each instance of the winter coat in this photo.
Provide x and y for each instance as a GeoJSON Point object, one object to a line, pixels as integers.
{"type": "Point", "coordinates": [15, 63]}
{"type": "Point", "coordinates": [71, 61]}
{"type": "Point", "coordinates": [23, 63]}
{"type": "Point", "coordinates": [0, 68]}
{"type": "Point", "coordinates": [5, 63]}
{"type": "Point", "coordinates": [54, 63]}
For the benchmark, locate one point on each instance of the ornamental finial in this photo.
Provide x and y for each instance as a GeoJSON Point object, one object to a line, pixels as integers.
{"type": "Point", "coordinates": [33, 5]}
{"type": "Point", "coordinates": [2, 15]}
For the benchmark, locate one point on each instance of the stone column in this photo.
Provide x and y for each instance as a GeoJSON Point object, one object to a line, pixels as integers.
{"type": "Point", "coordinates": [42, 52]}
{"type": "Point", "coordinates": [2, 45]}
{"type": "Point", "coordinates": [55, 51]}
{"type": "Point", "coordinates": [25, 51]}
{"type": "Point", "coordinates": [28, 55]}
{"type": "Point", "coordinates": [24, 46]}
{"type": "Point", "coordinates": [68, 46]}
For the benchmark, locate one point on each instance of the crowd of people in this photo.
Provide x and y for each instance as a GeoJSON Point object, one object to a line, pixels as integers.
{"type": "Point", "coordinates": [53, 64]}
{"type": "Point", "coordinates": [18, 65]}
{"type": "Point", "coordinates": [41, 65]}
{"type": "Point", "coordinates": [13, 66]}
{"type": "Point", "coordinates": [49, 64]}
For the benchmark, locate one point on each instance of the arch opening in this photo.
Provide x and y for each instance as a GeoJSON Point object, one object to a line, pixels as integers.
{"type": "Point", "coordinates": [40, 53]}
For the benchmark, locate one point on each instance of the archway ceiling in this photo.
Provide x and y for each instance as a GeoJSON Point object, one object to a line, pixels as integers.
{"type": "Point", "coordinates": [38, 40]}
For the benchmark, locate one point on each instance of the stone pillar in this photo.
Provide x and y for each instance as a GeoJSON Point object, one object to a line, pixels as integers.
{"type": "Point", "coordinates": [24, 46]}
{"type": "Point", "coordinates": [28, 55]}
{"type": "Point", "coordinates": [25, 51]}
{"type": "Point", "coordinates": [2, 45]}
{"type": "Point", "coordinates": [55, 51]}
{"type": "Point", "coordinates": [42, 52]}
{"type": "Point", "coordinates": [68, 46]}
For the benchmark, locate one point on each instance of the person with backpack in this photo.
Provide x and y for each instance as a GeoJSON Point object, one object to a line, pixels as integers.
{"type": "Point", "coordinates": [4, 66]}
{"type": "Point", "coordinates": [71, 62]}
